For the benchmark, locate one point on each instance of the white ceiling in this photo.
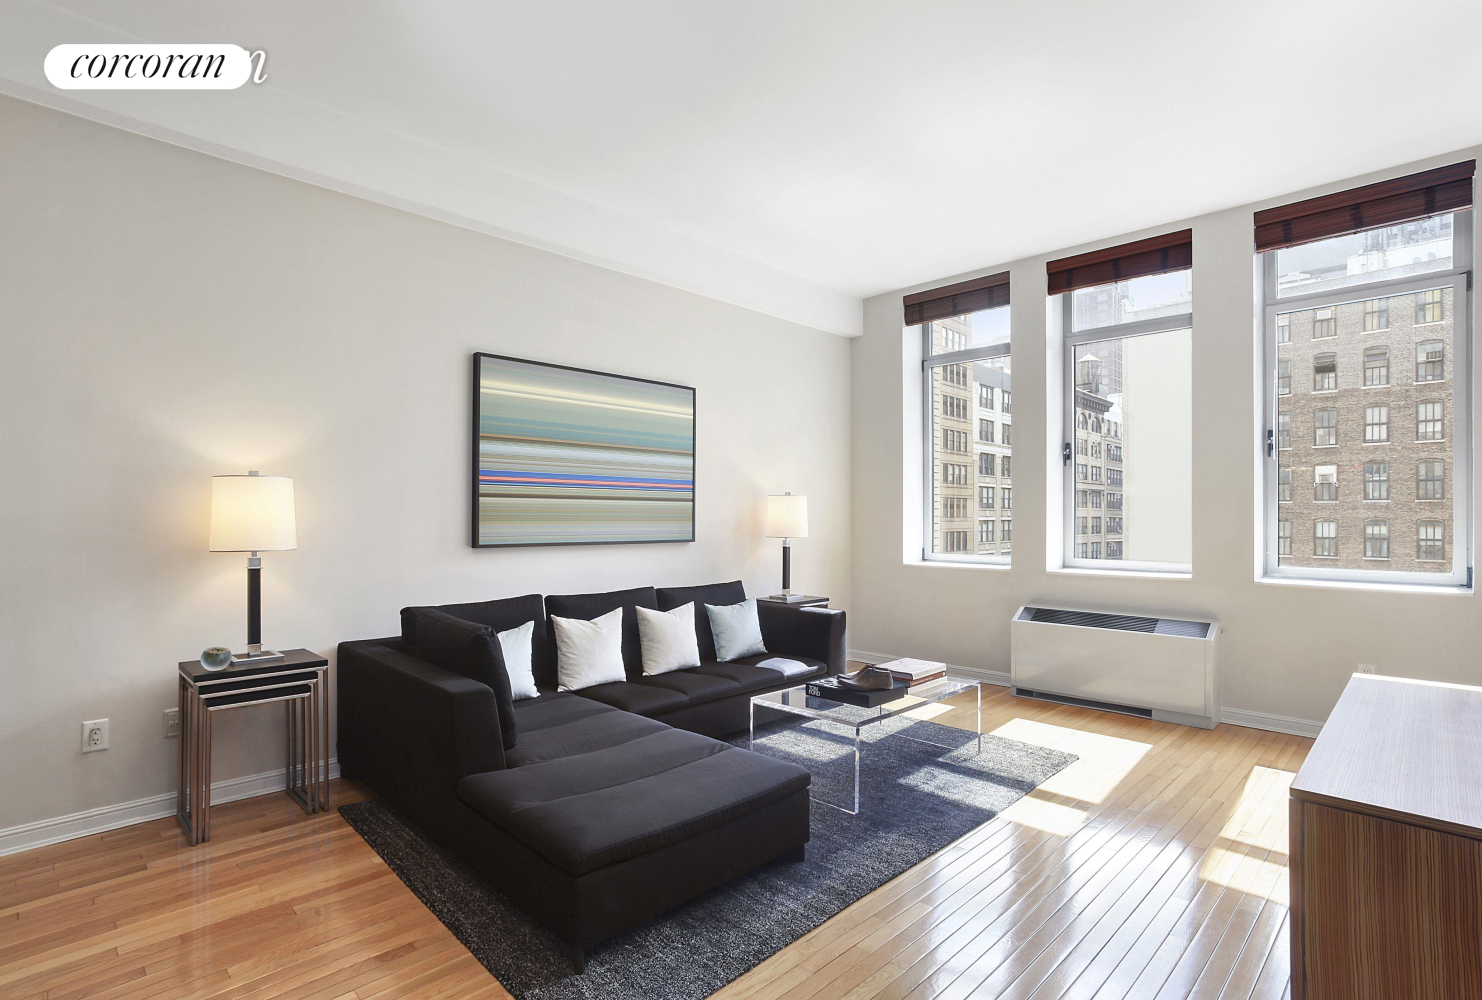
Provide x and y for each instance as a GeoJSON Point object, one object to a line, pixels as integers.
{"type": "Point", "coordinates": [795, 157]}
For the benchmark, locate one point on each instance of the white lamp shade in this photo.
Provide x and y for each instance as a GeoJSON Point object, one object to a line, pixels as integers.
{"type": "Point", "coordinates": [252, 514]}
{"type": "Point", "coordinates": [787, 516]}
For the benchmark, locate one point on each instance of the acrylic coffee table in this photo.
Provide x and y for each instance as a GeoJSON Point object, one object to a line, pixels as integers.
{"type": "Point", "coordinates": [797, 701]}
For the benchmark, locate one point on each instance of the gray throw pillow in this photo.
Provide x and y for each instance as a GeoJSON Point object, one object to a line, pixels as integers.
{"type": "Point", "coordinates": [737, 630]}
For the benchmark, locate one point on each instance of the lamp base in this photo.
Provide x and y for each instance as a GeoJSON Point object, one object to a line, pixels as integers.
{"type": "Point", "coordinates": [251, 658]}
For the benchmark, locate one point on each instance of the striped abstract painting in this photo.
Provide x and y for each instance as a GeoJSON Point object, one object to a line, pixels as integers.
{"type": "Point", "coordinates": [566, 456]}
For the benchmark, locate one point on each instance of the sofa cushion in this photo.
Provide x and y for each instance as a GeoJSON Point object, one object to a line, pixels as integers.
{"type": "Point", "coordinates": [636, 697]}
{"type": "Point", "coordinates": [592, 810]}
{"type": "Point", "coordinates": [697, 688]}
{"type": "Point", "coordinates": [559, 725]}
{"type": "Point", "coordinates": [501, 616]}
{"type": "Point", "coordinates": [470, 649]}
{"type": "Point", "coordinates": [719, 594]}
{"type": "Point", "coordinates": [764, 671]}
{"type": "Point", "coordinates": [589, 606]}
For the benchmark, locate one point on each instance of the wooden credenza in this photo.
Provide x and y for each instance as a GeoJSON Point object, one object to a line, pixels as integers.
{"type": "Point", "coordinates": [1386, 846]}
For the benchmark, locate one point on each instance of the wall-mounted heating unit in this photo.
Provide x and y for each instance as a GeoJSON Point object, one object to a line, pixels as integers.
{"type": "Point", "coordinates": [1158, 668]}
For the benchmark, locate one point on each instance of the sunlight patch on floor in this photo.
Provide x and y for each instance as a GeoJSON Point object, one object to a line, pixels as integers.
{"type": "Point", "coordinates": [1043, 814]}
{"type": "Point", "coordinates": [1105, 761]}
{"type": "Point", "coordinates": [1250, 854]}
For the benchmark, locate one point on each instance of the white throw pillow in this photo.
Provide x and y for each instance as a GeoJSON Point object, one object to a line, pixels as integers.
{"type": "Point", "coordinates": [668, 639]}
{"type": "Point", "coordinates": [737, 630]}
{"type": "Point", "coordinates": [589, 652]}
{"type": "Point", "coordinates": [515, 645]}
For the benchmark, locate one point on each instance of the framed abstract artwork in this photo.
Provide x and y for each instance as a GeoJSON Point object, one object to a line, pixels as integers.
{"type": "Point", "coordinates": [566, 456]}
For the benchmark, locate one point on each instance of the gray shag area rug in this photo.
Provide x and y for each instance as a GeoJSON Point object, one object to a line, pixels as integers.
{"type": "Point", "coordinates": [915, 800]}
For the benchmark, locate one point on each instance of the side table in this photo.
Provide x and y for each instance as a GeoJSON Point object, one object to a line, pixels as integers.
{"type": "Point", "coordinates": [301, 682]}
{"type": "Point", "coordinates": [800, 602]}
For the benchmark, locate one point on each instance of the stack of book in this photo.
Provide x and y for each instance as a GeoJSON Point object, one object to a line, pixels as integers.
{"type": "Point", "coordinates": [915, 672]}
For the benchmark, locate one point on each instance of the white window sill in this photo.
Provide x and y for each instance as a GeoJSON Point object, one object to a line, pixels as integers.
{"type": "Point", "coordinates": [1143, 574]}
{"type": "Point", "coordinates": [1392, 588]}
{"type": "Point", "coordinates": [954, 564]}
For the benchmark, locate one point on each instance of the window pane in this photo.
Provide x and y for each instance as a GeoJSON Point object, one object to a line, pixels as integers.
{"type": "Point", "coordinates": [1133, 447]}
{"type": "Point", "coordinates": [970, 463]}
{"type": "Point", "coordinates": [1378, 254]}
{"type": "Point", "coordinates": [1358, 423]}
{"type": "Point", "coordinates": [979, 329]}
{"type": "Point", "coordinates": [1129, 301]}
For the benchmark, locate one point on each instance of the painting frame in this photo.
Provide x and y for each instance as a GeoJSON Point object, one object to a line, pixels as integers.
{"type": "Point", "coordinates": [477, 536]}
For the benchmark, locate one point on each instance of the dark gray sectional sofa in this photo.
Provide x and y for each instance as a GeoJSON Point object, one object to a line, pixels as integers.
{"type": "Point", "coordinates": [606, 806]}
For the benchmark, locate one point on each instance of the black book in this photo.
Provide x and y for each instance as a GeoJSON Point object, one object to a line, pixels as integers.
{"type": "Point", "coordinates": [830, 688]}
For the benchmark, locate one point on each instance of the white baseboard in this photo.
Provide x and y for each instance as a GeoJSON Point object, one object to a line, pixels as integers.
{"type": "Point", "coordinates": [1273, 723]}
{"type": "Point", "coordinates": [998, 677]}
{"type": "Point", "coordinates": [104, 818]}
{"type": "Point", "coordinates": [1232, 716]}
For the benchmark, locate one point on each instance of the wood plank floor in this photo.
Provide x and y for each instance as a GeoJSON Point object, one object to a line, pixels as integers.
{"type": "Point", "coordinates": [1153, 868]}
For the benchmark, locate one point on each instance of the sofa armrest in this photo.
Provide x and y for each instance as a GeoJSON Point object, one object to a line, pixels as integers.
{"type": "Point", "coordinates": [411, 730]}
{"type": "Point", "coordinates": [815, 632]}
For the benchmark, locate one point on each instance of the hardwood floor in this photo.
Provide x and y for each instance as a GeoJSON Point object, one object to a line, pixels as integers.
{"type": "Point", "coordinates": [1152, 868]}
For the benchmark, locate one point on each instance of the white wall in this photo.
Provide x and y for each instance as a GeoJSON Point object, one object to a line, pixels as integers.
{"type": "Point", "coordinates": [167, 316]}
{"type": "Point", "coordinates": [1289, 649]}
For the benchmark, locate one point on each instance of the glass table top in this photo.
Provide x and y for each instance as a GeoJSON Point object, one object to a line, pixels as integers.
{"type": "Point", "coordinates": [797, 701]}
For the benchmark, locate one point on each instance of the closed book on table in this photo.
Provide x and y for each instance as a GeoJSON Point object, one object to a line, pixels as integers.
{"type": "Point", "coordinates": [915, 671]}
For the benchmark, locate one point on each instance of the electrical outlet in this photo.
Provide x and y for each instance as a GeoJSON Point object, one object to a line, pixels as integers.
{"type": "Point", "coordinates": [172, 723]}
{"type": "Point", "coordinates": [95, 735]}
{"type": "Point", "coordinates": [1366, 668]}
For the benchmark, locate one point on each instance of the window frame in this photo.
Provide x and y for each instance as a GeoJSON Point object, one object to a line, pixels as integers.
{"type": "Point", "coordinates": [1070, 340]}
{"type": "Point", "coordinates": [1459, 450]}
{"type": "Point", "coordinates": [966, 358]}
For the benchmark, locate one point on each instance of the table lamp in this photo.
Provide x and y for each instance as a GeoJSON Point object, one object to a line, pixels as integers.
{"type": "Point", "coordinates": [253, 514]}
{"type": "Point", "coordinates": [787, 518]}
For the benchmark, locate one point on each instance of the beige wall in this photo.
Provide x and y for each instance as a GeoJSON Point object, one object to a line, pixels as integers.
{"type": "Point", "coordinates": [1289, 649]}
{"type": "Point", "coordinates": [167, 316]}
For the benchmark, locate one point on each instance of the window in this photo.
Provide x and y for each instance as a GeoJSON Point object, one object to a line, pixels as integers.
{"type": "Point", "coordinates": [1006, 531]}
{"type": "Point", "coordinates": [1376, 366]}
{"type": "Point", "coordinates": [1082, 550]}
{"type": "Point", "coordinates": [1325, 428]}
{"type": "Point", "coordinates": [1325, 484]}
{"type": "Point", "coordinates": [1376, 424]}
{"type": "Point", "coordinates": [1080, 525]}
{"type": "Point", "coordinates": [1429, 307]}
{"type": "Point", "coordinates": [1430, 539]}
{"type": "Point", "coordinates": [1082, 446]}
{"type": "Point", "coordinates": [1429, 420]}
{"type": "Point", "coordinates": [1376, 480]}
{"type": "Point", "coordinates": [1095, 525]}
{"type": "Point", "coordinates": [1325, 373]}
{"type": "Point", "coordinates": [1114, 550]}
{"type": "Point", "coordinates": [1325, 539]}
{"type": "Point", "coordinates": [1008, 498]}
{"type": "Point", "coordinates": [1376, 539]}
{"type": "Point", "coordinates": [1127, 350]}
{"type": "Point", "coordinates": [1430, 359]}
{"type": "Point", "coordinates": [1376, 315]}
{"type": "Point", "coordinates": [1006, 401]}
{"type": "Point", "coordinates": [1081, 499]}
{"type": "Point", "coordinates": [1430, 480]}
{"type": "Point", "coordinates": [975, 375]}
{"type": "Point", "coordinates": [1113, 525]}
{"type": "Point", "coordinates": [1353, 307]}
{"type": "Point", "coordinates": [985, 532]}
{"type": "Point", "coordinates": [1007, 434]}
{"type": "Point", "coordinates": [1005, 467]}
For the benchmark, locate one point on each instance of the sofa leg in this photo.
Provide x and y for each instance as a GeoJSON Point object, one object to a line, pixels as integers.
{"type": "Point", "coordinates": [578, 959]}
{"type": "Point", "coordinates": [797, 854]}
